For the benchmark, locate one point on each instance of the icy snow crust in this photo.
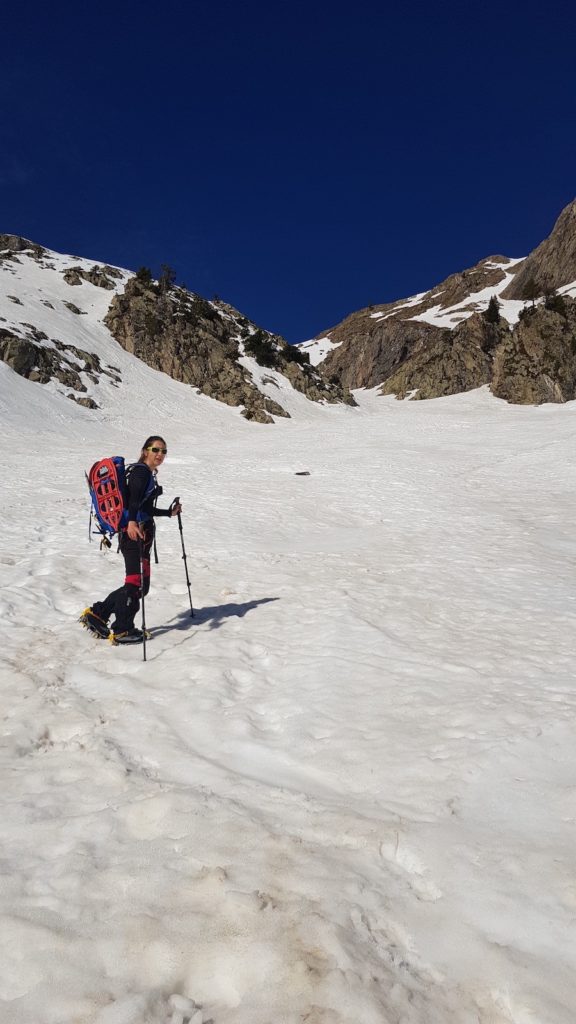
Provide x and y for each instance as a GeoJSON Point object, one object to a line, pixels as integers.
{"type": "Point", "coordinates": [344, 792]}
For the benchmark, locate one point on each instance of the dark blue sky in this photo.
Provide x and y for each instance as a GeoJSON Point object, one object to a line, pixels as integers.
{"type": "Point", "coordinates": [300, 159]}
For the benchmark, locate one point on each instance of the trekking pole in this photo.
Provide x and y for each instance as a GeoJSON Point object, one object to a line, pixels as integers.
{"type": "Point", "coordinates": [155, 548]}
{"type": "Point", "coordinates": [177, 502]}
{"type": "Point", "coordinates": [141, 548]}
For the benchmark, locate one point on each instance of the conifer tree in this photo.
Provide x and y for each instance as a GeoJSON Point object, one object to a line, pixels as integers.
{"type": "Point", "coordinates": [555, 302]}
{"type": "Point", "coordinates": [144, 275]}
{"type": "Point", "coordinates": [492, 313]}
{"type": "Point", "coordinates": [532, 290]}
{"type": "Point", "coordinates": [166, 279]}
{"type": "Point", "coordinates": [261, 347]}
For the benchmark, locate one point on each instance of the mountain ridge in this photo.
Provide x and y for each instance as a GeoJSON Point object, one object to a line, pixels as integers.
{"type": "Point", "coordinates": [421, 347]}
{"type": "Point", "coordinates": [59, 313]}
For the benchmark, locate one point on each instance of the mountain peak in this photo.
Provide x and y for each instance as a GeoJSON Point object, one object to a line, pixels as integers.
{"type": "Point", "coordinates": [447, 340]}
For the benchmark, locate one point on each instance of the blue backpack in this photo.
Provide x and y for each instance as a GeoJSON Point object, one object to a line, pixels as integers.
{"type": "Point", "coordinates": [108, 486]}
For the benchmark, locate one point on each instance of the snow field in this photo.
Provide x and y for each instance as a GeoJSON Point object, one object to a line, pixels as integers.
{"type": "Point", "coordinates": [344, 792]}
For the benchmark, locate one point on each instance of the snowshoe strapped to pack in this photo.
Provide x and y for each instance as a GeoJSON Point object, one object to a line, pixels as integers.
{"type": "Point", "coordinates": [107, 486]}
{"type": "Point", "coordinates": [107, 483]}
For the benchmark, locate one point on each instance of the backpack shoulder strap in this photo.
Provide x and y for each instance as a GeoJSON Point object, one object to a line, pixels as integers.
{"type": "Point", "coordinates": [150, 486]}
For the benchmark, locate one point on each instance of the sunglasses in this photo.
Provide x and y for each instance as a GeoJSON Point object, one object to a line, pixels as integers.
{"type": "Point", "coordinates": [157, 450]}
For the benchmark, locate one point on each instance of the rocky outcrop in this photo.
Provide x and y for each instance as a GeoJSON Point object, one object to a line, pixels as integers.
{"type": "Point", "coordinates": [371, 350]}
{"type": "Point", "coordinates": [199, 342]}
{"type": "Point", "coordinates": [102, 277]}
{"type": "Point", "coordinates": [458, 287]}
{"type": "Point", "coordinates": [10, 244]}
{"type": "Point", "coordinates": [533, 363]}
{"type": "Point", "coordinates": [451, 362]}
{"type": "Point", "coordinates": [375, 341]}
{"type": "Point", "coordinates": [536, 362]}
{"type": "Point", "coordinates": [385, 345]}
{"type": "Point", "coordinates": [552, 264]}
{"type": "Point", "coordinates": [34, 356]}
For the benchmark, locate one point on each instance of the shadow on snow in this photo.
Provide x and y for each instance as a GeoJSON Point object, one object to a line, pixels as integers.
{"type": "Point", "coordinates": [214, 616]}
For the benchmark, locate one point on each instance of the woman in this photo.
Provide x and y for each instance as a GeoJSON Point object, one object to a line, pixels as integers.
{"type": "Point", "coordinates": [136, 541]}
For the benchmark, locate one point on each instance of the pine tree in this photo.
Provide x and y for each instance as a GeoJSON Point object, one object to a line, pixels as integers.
{"type": "Point", "coordinates": [293, 354]}
{"type": "Point", "coordinates": [262, 348]}
{"type": "Point", "coordinates": [144, 275]}
{"type": "Point", "coordinates": [492, 313]}
{"type": "Point", "coordinates": [555, 302]}
{"type": "Point", "coordinates": [166, 279]}
{"type": "Point", "coordinates": [532, 290]}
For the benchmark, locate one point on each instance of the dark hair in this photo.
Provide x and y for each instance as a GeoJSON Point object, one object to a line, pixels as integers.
{"type": "Point", "coordinates": [147, 443]}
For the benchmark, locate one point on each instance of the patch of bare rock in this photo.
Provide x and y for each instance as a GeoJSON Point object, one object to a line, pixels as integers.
{"type": "Point", "coordinates": [199, 343]}
{"type": "Point", "coordinates": [531, 363]}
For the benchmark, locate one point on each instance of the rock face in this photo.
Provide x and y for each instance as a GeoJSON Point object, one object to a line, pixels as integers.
{"type": "Point", "coordinates": [195, 341]}
{"type": "Point", "coordinates": [370, 351]}
{"type": "Point", "coordinates": [458, 287]}
{"type": "Point", "coordinates": [375, 341]}
{"type": "Point", "coordinates": [536, 362]}
{"type": "Point", "coordinates": [533, 363]}
{"type": "Point", "coordinates": [453, 348]}
{"type": "Point", "coordinates": [102, 277]}
{"type": "Point", "coordinates": [450, 362]}
{"type": "Point", "coordinates": [34, 356]}
{"type": "Point", "coordinates": [199, 342]}
{"type": "Point", "coordinates": [553, 263]}
{"type": "Point", "coordinates": [10, 244]}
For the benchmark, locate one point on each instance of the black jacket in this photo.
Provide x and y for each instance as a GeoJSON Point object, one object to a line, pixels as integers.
{"type": "Point", "coordinates": [143, 491]}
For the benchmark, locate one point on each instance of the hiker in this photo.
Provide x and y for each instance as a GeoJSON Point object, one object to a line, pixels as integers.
{"type": "Point", "coordinates": [136, 541]}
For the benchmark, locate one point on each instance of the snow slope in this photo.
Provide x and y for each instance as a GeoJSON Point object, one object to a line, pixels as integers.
{"type": "Point", "coordinates": [34, 296]}
{"type": "Point", "coordinates": [510, 309]}
{"type": "Point", "coordinates": [318, 348]}
{"type": "Point", "coordinates": [451, 316]}
{"type": "Point", "coordinates": [344, 793]}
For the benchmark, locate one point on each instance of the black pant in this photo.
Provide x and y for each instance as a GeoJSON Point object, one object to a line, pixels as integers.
{"type": "Point", "coordinates": [125, 602]}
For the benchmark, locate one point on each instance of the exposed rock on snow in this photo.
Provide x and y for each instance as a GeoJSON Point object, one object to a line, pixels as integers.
{"type": "Point", "coordinates": [374, 342]}
{"type": "Point", "coordinates": [102, 277]}
{"type": "Point", "coordinates": [74, 308]}
{"type": "Point", "coordinates": [449, 362]}
{"type": "Point", "coordinates": [435, 343]}
{"type": "Point", "coordinates": [34, 356]}
{"type": "Point", "coordinates": [209, 345]}
{"type": "Point", "coordinates": [199, 342]}
{"type": "Point", "coordinates": [537, 361]}
{"type": "Point", "coordinates": [371, 350]}
{"type": "Point", "coordinates": [10, 244]}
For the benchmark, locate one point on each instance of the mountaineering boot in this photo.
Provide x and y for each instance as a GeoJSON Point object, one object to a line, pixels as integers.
{"type": "Point", "coordinates": [94, 624]}
{"type": "Point", "coordinates": [129, 636]}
